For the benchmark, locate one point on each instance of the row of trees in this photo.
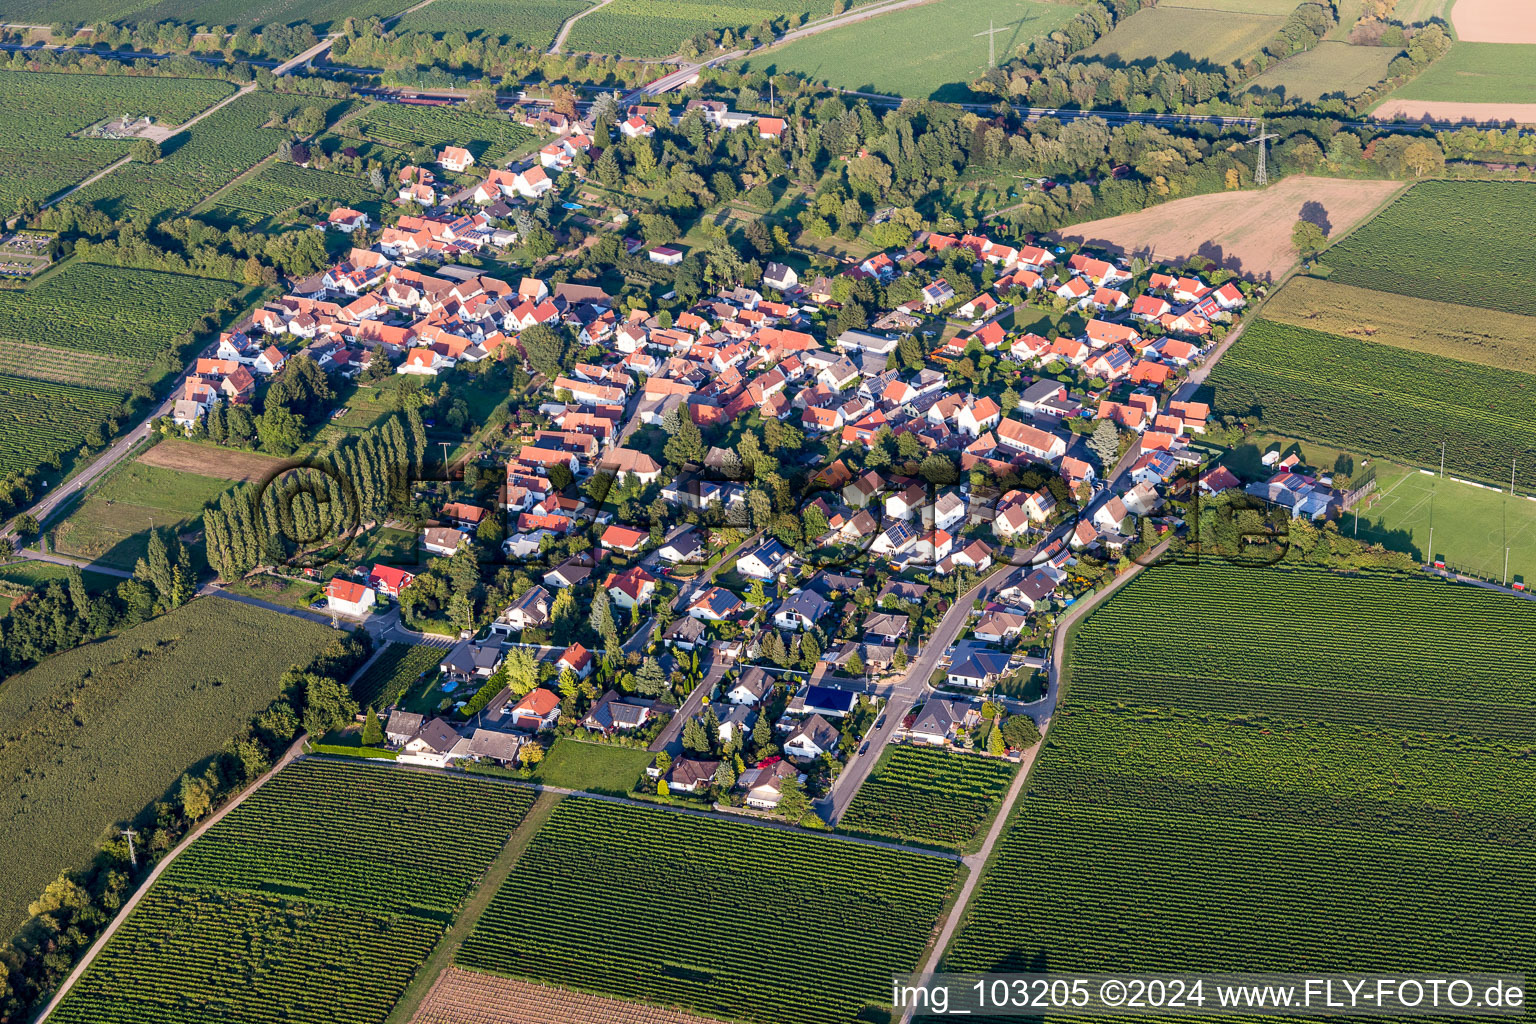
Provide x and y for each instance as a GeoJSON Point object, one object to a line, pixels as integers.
{"type": "Point", "coordinates": [316, 504]}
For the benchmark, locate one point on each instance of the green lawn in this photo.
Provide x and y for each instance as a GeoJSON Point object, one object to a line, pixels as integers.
{"type": "Point", "coordinates": [112, 523]}
{"type": "Point", "coordinates": [592, 767]}
{"type": "Point", "coordinates": [277, 590]}
{"type": "Point", "coordinates": [37, 574]}
{"type": "Point", "coordinates": [1478, 73]}
{"type": "Point", "coordinates": [930, 51]}
{"type": "Point", "coordinates": [1472, 525]}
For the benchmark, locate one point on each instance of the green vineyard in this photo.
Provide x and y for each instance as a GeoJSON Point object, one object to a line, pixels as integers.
{"type": "Point", "coordinates": [39, 419]}
{"type": "Point", "coordinates": [403, 127]}
{"type": "Point", "coordinates": [122, 312]}
{"type": "Point", "coordinates": [683, 903]}
{"type": "Point", "coordinates": [1383, 400]}
{"type": "Point", "coordinates": [1277, 770]}
{"type": "Point", "coordinates": [283, 186]}
{"type": "Point", "coordinates": [315, 901]}
{"type": "Point", "coordinates": [199, 162]}
{"type": "Point", "coordinates": [927, 796]}
{"type": "Point", "coordinates": [1454, 241]}
{"type": "Point", "coordinates": [530, 23]}
{"type": "Point", "coordinates": [392, 673]}
{"type": "Point", "coordinates": [41, 150]}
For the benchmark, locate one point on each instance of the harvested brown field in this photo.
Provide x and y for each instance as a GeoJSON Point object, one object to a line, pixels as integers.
{"type": "Point", "coordinates": [1454, 112]}
{"type": "Point", "coordinates": [1494, 21]}
{"type": "Point", "coordinates": [465, 997]}
{"type": "Point", "coordinates": [204, 460]}
{"type": "Point", "coordinates": [1248, 232]}
{"type": "Point", "coordinates": [1472, 335]}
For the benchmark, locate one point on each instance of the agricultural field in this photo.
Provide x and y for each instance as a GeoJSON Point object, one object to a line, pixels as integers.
{"type": "Point", "coordinates": [280, 187]}
{"type": "Point", "coordinates": [1474, 528]}
{"type": "Point", "coordinates": [319, 13]}
{"type": "Point", "coordinates": [314, 902]}
{"type": "Point", "coordinates": [1385, 401]}
{"type": "Point", "coordinates": [1246, 232]}
{"type": "Point", "coordinates": [1477, 21]}
{"type": "Point", "coordinates": [530, 23]}
{"type": "Point", "coordinates": [111, 524]}
{"type": "Point", "coordinates": [690, 947]}
{"type": "Point", "coordinates": [1483, 336]}
{"type": "Point", "coordinates": [927, 796]}
{"type": "Point", "coordinates": [1329, 69]}
{"type": "Point", "coordinates": [1190, 35]}
{"type": "Point", "coordinates": [394, 672]}
{"type": "Point", "coordinates": [490, 139]}
{"type": "Point", "coordinates": [1339, 751]}
{"type": "Point", "coordinates": [69, 366]}
{"type": "Point", "coordinates": [921, 51]}
{"type": "Point", "coordinates": [40, 419]}
{"type": "Point", "coordinates": [43, 112]}
{"type": "Point", "coordinates": [199, 161]}
{"type": "Point", "coordinates": [656, 28]}
{"type": "Point", "coordinates": [1452, 241]}
{"type": "Point", "coordinates": [209, 460]}
{"type": "Point", "coordinates": [158, 701]}
{"type": "Point", "coordinates": [121, 312]}
{"type": "Point", "coordinates": [1477, 73]}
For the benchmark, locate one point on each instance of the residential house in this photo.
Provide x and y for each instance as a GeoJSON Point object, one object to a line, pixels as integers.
{"type": "Point", "coordinates": [531, 611]}
{"type": "Point", "coordinates": [343, 597]}
{"type": "Point", "coordinates": [630, 588]}
{"type": "Point", "coordinates": [613, 714]}
{"type": "Point", "coordinates": [538, 710]}
{"type": "Point", "coordinates": [801, 610]}
{"type": "Point", "coordinates": [941, 719]}
{"type": "Point", "coordinates": [811, 738]}
{"type": "Point", "coordinates": [978, 669]}
{"type": "Point", "coordinates": [752, 687]}
{"type": "Point", "coordinates": [765, 562]}
{"type": "Point", "coordinates": [470, 662]}
{"type": "Point", "coordinates": [763, 784]}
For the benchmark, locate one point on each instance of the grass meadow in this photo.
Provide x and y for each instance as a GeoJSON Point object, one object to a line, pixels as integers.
{"type": "Point", "coordinates": [1478, 73]}
{"type": "Point", "coordinates": [1328, 69]}
{"type": "Point", "coordinates": [97, 733]}
{"type": "Point", "coordinates": [930, 51]}
{"type": "Point", "coordinates": [112, 523]}
{"type": "Point", "coordinates": [1189, 35]}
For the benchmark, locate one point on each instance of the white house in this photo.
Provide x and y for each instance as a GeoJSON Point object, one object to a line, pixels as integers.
{"type": "Point", "coordinates": [344, 597]}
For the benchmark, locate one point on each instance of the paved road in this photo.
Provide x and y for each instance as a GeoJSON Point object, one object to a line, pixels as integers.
{"type": "Point", "coordinates": [127, 908]}
{"type": "Point", "coordinates": [79, 563]}
{"type": "Point", "coordinates": [912, 686]}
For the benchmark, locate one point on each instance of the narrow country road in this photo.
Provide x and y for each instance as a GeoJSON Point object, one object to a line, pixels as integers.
{"type": "Point", "coordinates": [80, 968]}
{"type": "Point", "coordinates": [977, 861]}
{"type": "Point", "coordinates": [570, 23]}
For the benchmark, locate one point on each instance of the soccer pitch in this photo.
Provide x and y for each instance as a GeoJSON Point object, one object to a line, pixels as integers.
{"type": "Point", "coordinates": [1472, 525]}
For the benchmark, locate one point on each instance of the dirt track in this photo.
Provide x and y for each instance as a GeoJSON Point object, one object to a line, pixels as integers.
{"type": "Point", "coordinates": [1246, 232]}
{"type": "Point", "coordinates": [1494, 21]}
{"type": "Point", "coordinates": [465, 997]}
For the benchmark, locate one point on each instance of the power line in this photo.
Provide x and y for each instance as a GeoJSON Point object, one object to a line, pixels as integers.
{"type": "Point", "coordinates": [991, 34]}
